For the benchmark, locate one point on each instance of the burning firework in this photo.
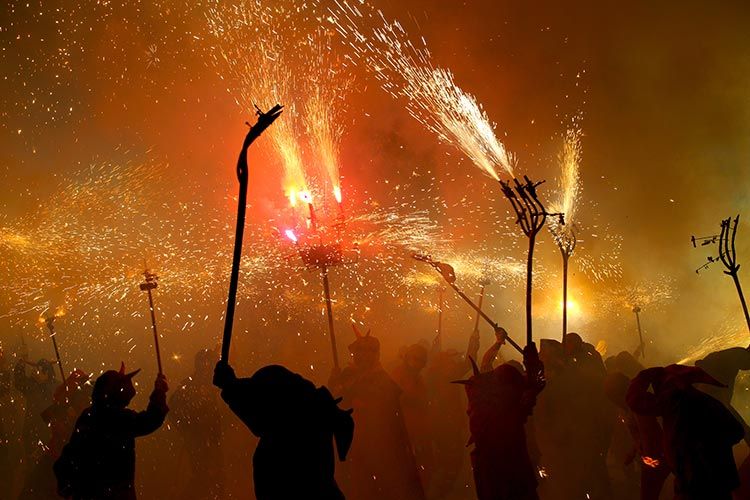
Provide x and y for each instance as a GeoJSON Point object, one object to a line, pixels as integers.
{"type": "Point", "coordinates": [570, 188]}
{"type": "Point", "coordinates": [432, 96]}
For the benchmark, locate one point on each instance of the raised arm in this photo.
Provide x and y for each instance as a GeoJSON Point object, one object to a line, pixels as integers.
{"type": "Point", "coordinates": [147, 421]}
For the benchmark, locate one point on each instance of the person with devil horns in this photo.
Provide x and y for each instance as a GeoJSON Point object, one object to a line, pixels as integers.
{"type": "Point", "coordinates": [699, 431]}
{"type": "Point", "coordinates": [382, 463]}
{"type": "Point", "coordinates": [99, 460]}
{"type": "Point", "coordinates": [500, 402]}
{"type": "Point", "coordinates": [296, 423]}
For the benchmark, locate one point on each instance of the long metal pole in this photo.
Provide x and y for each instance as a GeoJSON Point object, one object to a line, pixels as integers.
{"type": "Point", "coordinates": [482, 314]}
{"type": "Point", "coordinates": [153, 327]}
{"type": "Point", "coordinates": [742, 297]}
{"type": "Point", "coordinates": [479, 305]}
{"type": "Point", "coordinates": [637, 311]}
{"type": "Point", "coordinates": [235, 274]}
{"type": "Point", "coordinates": [52, 335]}
{"type": "Point", "coordinates": [565, 296]}
{"type": "Point", "coordinates": [529, 278]}
{"type": "Point", "coordinates": [440, 318]}
{"type": "Point", "coordinates": [329, 309]}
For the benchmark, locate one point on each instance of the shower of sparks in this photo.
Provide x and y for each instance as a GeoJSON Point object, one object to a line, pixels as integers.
{"type": "Point", "coordinates": [433, 98]}
{"type": "Point", "coordinates": [328, 86]}
{"type": "Point", "coordinates": [569, 193]}
{"type": "Point", "coordinates": [646, 295]}
{"type": "Point", "coordinates": [85, 248]}
{"type": "Point", "coordinates": [264, 53]}
{"type": "Point", "coordinates": [731, 332]}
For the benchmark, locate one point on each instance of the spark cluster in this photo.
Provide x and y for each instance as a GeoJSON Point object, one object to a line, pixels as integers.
{"type": "Point", "coordinates": [432, 96]}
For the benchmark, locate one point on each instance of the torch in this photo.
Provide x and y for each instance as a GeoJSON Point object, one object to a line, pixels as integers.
{"type": "Point", "coordinates": [566, 242]}
{"type": "Point", "coordinates": [483, 283]}
{"type": "Point", "coordinates": [150, 283]}
{"type": "Point", "coordinates": [637, 311]}
{"type": "Point", "coordinates": [322, 256]}
{"type": "Point", "coordinates": [531, 217]}
{"type": "Point", "coordinates": [50, 322]}
{"type": "Point", "coordinates": [727, 255]}
{"type": "Point", "coordinates": [439, 337]}
{"type": "Point", "coordinates": [264, 121]}
{"type": "Point", "coordinates": [449, 275]}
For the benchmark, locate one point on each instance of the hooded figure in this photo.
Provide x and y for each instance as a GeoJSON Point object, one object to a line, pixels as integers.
{"type": "Point", "coordinates": [381, 464]}
{"type": "Point", "coordinates": [296, 423]}
{"type": "Point", "coordinates": [99, 460]}
{"type": "Point", "coordinates": [699, 432]}
{"type": "Point", "coordinates": [500, 401]}
{"type": "Point", "coordinates": [415, 404]}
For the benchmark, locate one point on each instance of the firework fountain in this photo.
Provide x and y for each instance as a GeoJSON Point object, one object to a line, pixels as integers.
{"type": "Point", "coordinates": [435, 100]}
{"type": "Point", "coordinates": [565, 234]}
{"type": "Point", "coordinates": [727, 255]}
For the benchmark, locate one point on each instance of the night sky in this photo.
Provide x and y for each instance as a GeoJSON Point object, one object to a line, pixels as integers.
{"type": "Point", "coordinates": [662, 94]}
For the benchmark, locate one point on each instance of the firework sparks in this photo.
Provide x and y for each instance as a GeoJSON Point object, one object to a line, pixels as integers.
{"type": "Point", "coordinates": [643, 295]}
{"type": "Point", "coordinates": [433, 98]}
{"type": "Point", "coordinates": [569, 193]}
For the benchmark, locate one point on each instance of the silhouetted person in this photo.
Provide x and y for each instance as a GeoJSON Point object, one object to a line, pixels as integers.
{"type": "Point", "coordinates": [647, 439]}
{"type": "Point", "coordinates": [500, 401]}
{"type": "Point", "coordinates": [724, 366]}
{"type": "Point", "coordinates": [99, 460]}
{"type": "Point", "coordinates": [447, 414]}
{"type": "Point", "coordinates": [37, 386]}
{"type": "Point", "coordinates": [69, 400]}
{"type": "Point", "coordinates": [699, 432]}
{"type": "Point", "coordinates": [195, 414]}
{"type": "Point", "coordinates": [574, 421]}
{"type": "Point", "coordinates": [415, 406]}
{"type": "Point", "coordinates": [296, 423]}
{"type": "Point", "coordinates": [381, 463]}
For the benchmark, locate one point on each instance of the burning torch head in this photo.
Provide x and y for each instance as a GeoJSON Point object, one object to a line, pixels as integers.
{"type": "Point", "coordinates": [114, 389]}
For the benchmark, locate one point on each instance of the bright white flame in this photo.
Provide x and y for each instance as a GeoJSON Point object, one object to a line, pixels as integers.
{"type": "Point", "coordinates": [305, 196]}
{"type": "Point", "coordinates": [337, 193]}
{"type": "Point", "coordinates": [290, 234]}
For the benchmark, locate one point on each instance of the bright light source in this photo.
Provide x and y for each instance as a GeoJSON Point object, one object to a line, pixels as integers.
{"type": "Point", "coordinates": [290, 234]}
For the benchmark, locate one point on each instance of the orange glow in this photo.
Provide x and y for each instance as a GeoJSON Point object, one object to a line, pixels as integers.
{"type": "Point", "coordinates": [651, 462]}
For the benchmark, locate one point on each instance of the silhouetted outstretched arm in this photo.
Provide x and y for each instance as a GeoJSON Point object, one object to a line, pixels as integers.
{"type": "Point", "coordinates": [147, 421]}
{"type": "Point", "coordinates": [488, 360]}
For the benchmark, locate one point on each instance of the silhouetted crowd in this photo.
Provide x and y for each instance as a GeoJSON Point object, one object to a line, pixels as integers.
{"type": "Point", "coordinates": [564, 424]}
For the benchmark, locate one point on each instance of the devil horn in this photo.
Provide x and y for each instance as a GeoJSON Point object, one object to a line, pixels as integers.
{"type": "Point", "coordinates": [474, 366]}
{"type": "Point", "coordinates": [133, 374]}
{"type": "Point", "coordinates": [368, 333]}
{"type": "Point", "coordinates": [357, 333]}
{"type": "Point", "coordinates": [122, 368]}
